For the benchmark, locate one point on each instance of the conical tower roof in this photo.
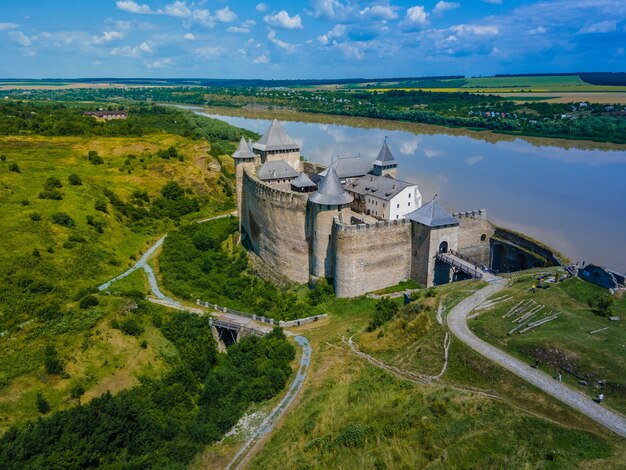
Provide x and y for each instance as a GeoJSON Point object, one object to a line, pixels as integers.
{"type": "Point", "coordinates": [303, 181]}
{"type": "Point", "coordinates": [432, 214]}
{"type": "Point", "coordinates": [276, 138]}
{"type": "Point", "coordinates": [330, 191]}
{"type": "Point", "coordinates": [385, 157]}
{"type": "Point", "coordinates": [244, 150]}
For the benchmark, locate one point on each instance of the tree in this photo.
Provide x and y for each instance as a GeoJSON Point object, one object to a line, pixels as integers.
{"type": "Point", "coordinates": [42, 404]}
{"type": "Point", "coordinates": [74, 180]}
{"type": "Point", "coordinates": [63, 219]}
{"type": "Point", "coordinates": [88, 301]}
{"type": "Point", "coordinates": [386, 309]}
{"type": "Point", "coordinates": [51, 360]}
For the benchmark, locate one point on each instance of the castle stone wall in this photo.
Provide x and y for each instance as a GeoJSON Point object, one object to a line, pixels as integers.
{"type": "Point", "coordinates": [273, 224]}
{"type": "Point", "coordinates": [371, 257]}
{"type": "Point", "coordinates": [425, 246]}
{"type": "Point", "coordinates": [475, 231]}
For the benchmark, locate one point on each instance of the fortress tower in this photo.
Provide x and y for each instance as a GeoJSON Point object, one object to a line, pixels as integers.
{"type": "Point", "coordinates": [330, 200]}
{"type": "Point", "coordinates": [276, 145]}
{"type": "Point", "coordinates": [244, 157]}
{"type": "Point", "coordinates": [385, 163]}
{"type": "Point", "coordinates": [434, 230]}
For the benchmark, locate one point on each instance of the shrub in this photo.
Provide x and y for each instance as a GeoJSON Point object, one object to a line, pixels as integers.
{"type": "Point", "coordinates": [76, 238]}
{"type": "Point", "coordinates": [131, 327]}
{"type": "Point", "coordinates": [386, 309]}
{"type": "Point", "coordinates": [53, 194]}
{"type": "Point", "coordinates": [602, 305]}
{"type": "Point", "coordinates": [25, 202]}
{"type": "Point", "coordinates": [74, 180]}
{"type": "Point", "coordinates": [62, 219]}
{"type": "Point", "coordinates": [94, 158]}
{"type": "Point", "coordinates": [42, 404]}
{"type": "Point", "coordinates": [77, 391]}
{"type": "Point", "coordinates": [36, 253]}
{"type": "Point", "coordinates": [96, 223]}
{"type": "Point", "coordinates": [52, 182]}
{"type": "Point", "coordinates": [88, 301]}
{"type": "Point", "coordinates": [101, 206]}
{"type": "Point", "coordinates": [14, 168]}
{"type": "Point", "coordinates": [3, 158]}
{"type": "Point", "coordinates": [51, 360]}
{"type": "Point", "coordinates": [35, 216]}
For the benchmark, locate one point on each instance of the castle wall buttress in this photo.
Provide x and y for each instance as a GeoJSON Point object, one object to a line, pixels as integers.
{"type": "Point", "coordinates": [475, 231]}
{"type": "Point", "coordinates": [273, 223]}
{"type": "Point", "coordinates": [371, 257]}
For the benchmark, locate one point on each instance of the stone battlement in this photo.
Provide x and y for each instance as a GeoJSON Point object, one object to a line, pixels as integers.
{"type": "Point", "coordinates": [274, 193]}
{"type": "Point", "coordinates": [363, 227]}
{"type": "Point", "coordinates": [474, 214]}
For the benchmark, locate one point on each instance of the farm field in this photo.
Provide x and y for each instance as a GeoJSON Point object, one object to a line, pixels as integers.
{"type": "Point", "coordinates": [566, 343]}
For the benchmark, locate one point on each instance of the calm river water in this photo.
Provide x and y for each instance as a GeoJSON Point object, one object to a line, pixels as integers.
{"type": "Point", "coordinates": [571, 199]}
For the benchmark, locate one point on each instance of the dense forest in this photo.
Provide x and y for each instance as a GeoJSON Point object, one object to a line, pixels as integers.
{"type": "Point", "coordinates": [165, 421]}
{"type": "Point", "coordinates": [204, 261]}
{"type": "Point", "coordinates": [453, 109]}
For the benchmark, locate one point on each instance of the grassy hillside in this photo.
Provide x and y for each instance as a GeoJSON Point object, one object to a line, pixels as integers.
{"type": "Point", "coordinates": [71, 222]}
{"type": "Point", "coordinates": [354, 415]}
{"type": "Point", "coordinates": [566, 344]}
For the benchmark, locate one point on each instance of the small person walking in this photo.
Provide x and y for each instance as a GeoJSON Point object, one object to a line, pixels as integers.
{"type": "Point", "coordinates": [559, 377]}
{"type": "Point", "coordinates": [600, 397]}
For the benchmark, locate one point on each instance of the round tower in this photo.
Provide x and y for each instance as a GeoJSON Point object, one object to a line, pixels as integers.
{"type": "Point", "coordinates": [329, 201]}
{"type": "Point", "coordinates": [244, 157]}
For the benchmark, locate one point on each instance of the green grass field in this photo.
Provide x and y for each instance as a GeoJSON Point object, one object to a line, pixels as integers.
{"type": "Point", "coordinates": [354, 415]}
{"type": "Point", "coordinates": [566, 343]}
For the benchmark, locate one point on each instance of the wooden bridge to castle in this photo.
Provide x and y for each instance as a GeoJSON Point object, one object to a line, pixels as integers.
{"type": "Point", "coordinates": [461, 263]}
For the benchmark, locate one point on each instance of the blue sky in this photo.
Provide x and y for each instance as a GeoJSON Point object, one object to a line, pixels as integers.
{"type": "Point", "coordinates": [308, 38]}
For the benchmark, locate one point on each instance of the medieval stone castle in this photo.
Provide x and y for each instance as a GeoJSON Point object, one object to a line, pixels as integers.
{"type": "Point", "coordinates": [353, 223]}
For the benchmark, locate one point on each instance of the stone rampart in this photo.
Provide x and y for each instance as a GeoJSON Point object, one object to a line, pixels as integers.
{"type": "Point", "coordinates": [475, 231]}
{"type": "Point", "coordinates": [369, 257]}
{"type": "Point", "coordinates": [273, 224]}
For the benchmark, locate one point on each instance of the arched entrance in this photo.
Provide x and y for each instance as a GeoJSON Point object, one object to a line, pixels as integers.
{"type": "Point", "coordinates": [522, 261]}
{"type": "Point", "coordinates": [443, 247]}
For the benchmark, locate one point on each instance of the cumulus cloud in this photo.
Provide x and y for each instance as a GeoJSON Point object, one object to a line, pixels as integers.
{"type": "Point", "coordinates": [493, 2]}
{"type": "Point", "coordinates": [433, 153]}
{"type": "Point", "coordinates": [210, 52]}
{"type": "Point", "coordinates": [243, 27]}
{"type": "Point", "coordinates": [262, 7]}
{"type": "Point", "coordinates": [134, 7]}
{"type": "Point", "coordinates": [473, 160]}
{"type": "Point", "coordinates": [416, 16]}
{"type": "Point", "coordinates": [178, 9]}
{"type": "Point", "coordinates": [283, 20]}
{"type": "Point", "coordinates": [159, 63]}
{"type": "Point", "coordinates": [262, 59]}
{"type": "Point", "coordinates": [332, 9]}
{"type": "Point", "coordinates": [108, 36]}
{"type": "Point", "coordinates": [336, 32]}
{"type": "Point", "coordinates": [537, 30]}
{"type": "Point", "coordinates": [475, 30]}
{"type": "Point", "coordinates": [225, 15]}
{"type": "Point", "coordinates": [445, 6]}
{"type": "Point", "coordinates": [271, 36]}
{"type": "Point", "coordinates": [5, 26]}
{"type": "Point", "coordinates": [606, 26]}
{"type": "Point", "coordinates": [19, 38]}
{"type": "Point", "coordinates": [132, 52]}
{"type": "Point", "coordinates": [189, 37]}
{"type": "Point", "coordinates": [382, 12]}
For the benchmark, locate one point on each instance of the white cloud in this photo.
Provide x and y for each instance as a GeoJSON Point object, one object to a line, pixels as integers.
{"type": "Point", "coordinates": [417, 15]}
{"type": "Point", "coordinates": [283, 20]}
{"type": "Point", "coordinates": [445, 6]}
{"type": "Point", "coordinates": [332, 9]}
{"type": "Point", "coordinates": [178, 9]}
{"type": "Point", "coordinates": [159, 63]}
{"type": "Point", "coordinates": [108, 36]}
{"type": "Point", "coordinates": [409, 147]}
{"type": "Point", "coordinates": [433, 153]}
{"type": "Point", "coordinates": [5, 26]}
{"type": "Point", "coordinates": [210, 52]}
{"type": "Point", "coordinates": [225, 15]}
{"type": "Point", "coordinates": [262, 7]}
{"type": "Point", "coordinates": [493, 2]}
{"type": "Point", "coordinates": [262, 59]}
{"type": "Point", "coordinates": [20, 38]}
{"type": "Point", "coordinates": [475, 30]}
{"type": "Point", "coordinates": [473, 160]}
{"type": "Point", "coordinates": [607, 26]}
{"type": "Point", "coordinates": [243, 27]}
{"type": "Point", "coordinates": [271, 36]}
{"type": "Point", "coordinates": [383, 12]}
{"type": "Point", "coordinates": [537, 30]}
{"type": "Point", "coordinates": [132, 52]}
{"type": "Point", "coordinates": [134, 7]}
{"type": "Point", "coordinates": [189, 37]}
{"type": "Point", "coordinates": [351, 50]}
{"type": "Point", "coordinates": [338, 31]}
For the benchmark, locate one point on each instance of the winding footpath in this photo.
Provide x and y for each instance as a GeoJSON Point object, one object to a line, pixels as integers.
{"type": "Point", "coordinates": [457, 323]}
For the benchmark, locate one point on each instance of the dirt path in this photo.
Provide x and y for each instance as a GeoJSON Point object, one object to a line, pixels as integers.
{"type": "Point", "coordinates": [457, 323]}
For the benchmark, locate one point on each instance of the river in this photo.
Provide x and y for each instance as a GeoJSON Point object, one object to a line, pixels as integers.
{"type": "Point", "coordinates": [570, 198]}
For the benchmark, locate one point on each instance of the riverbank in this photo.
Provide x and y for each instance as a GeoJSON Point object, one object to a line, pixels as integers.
{"type": "Point", "coordinates": [285, 114]}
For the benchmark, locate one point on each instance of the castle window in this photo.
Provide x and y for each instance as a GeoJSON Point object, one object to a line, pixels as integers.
{"type": "Point", "coordinates": [409, 203]}
{"type": "Point", "coordinates": [483, 237]}
{"type": "Point", "coordinates": [398, 206]}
